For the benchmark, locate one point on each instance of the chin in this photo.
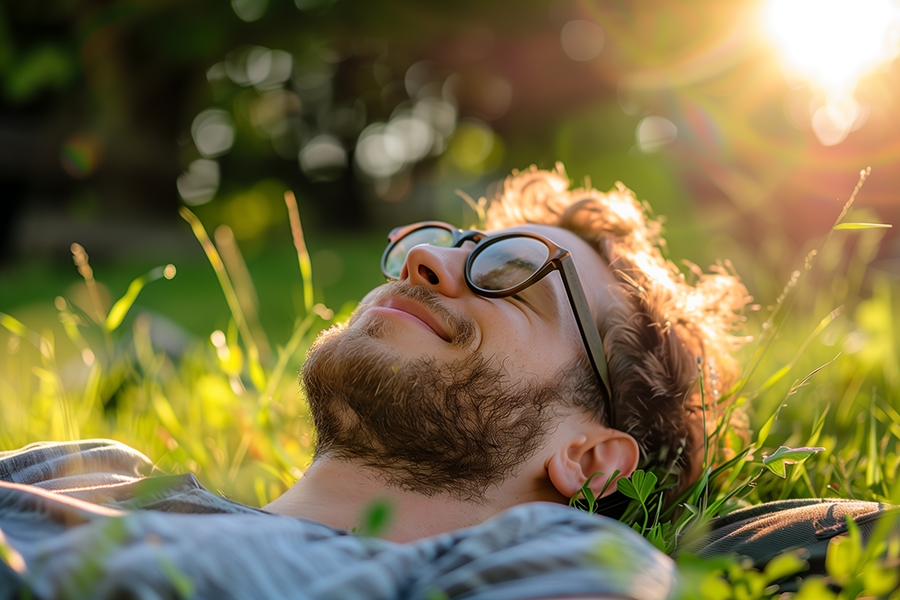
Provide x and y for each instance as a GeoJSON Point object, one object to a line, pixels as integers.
{"type": "Point", "coordinates": [454, 428]}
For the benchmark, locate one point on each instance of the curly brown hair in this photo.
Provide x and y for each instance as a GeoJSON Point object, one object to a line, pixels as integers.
{"type": "Point", "coordinates": [674, 321]}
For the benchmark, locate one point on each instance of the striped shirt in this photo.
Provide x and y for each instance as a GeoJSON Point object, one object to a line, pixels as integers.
{"type": "Point", "coordinates": [94, 519]}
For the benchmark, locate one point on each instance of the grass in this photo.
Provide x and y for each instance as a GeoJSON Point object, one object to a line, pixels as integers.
{"type": "Point", "coordinates": [214, 407]}
{"type": "Point", "coordinates": [822, 382]}
{"type": "Point", "coordinates": [822, 379]}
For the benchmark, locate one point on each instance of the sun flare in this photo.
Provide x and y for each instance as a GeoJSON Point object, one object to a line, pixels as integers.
{"type": "Point", "coordinates": [833, 43]}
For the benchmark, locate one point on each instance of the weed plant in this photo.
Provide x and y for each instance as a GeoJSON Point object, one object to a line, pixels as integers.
{"type": "Point", "coordinates": [821, 384]}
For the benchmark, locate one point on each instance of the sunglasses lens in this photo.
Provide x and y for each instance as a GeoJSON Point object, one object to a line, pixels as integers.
{"type": "Point", "coordinates": [506, 263]}
{"type": "Point", "coordinates": [433, 236]}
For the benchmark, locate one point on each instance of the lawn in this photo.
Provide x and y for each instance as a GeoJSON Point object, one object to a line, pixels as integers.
{"type": "Point", "coordinates": [187, 372]}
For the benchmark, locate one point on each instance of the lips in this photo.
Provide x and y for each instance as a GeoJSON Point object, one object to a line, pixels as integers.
{"type": "Point", "coordinates": [418, 311]}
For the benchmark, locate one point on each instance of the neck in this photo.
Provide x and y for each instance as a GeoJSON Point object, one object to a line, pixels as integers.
{"type": "Point", "coordinates": [341, 493]}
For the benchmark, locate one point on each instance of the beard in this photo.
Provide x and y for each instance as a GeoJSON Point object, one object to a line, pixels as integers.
{"type": "Point", "coordinates": [424, 426]}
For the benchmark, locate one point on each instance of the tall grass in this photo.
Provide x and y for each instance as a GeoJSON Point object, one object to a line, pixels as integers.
{"type": "Point", "coordinates": [227, 409]}
{"type": "Point", "coordinates": [821, 385]}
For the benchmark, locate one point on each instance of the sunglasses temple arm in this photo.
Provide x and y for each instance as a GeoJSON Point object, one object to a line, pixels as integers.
{"type": "Point", "coordinates": [589, 333]}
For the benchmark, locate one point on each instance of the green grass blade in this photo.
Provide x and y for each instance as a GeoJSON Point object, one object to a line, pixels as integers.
{"type": "Point", "coordinates": [873, 468]}
{"type": "Point", "coordinates": [852, 226]}
{"type": "Point", "coordinates": [230, 294]}
{"type": "Point", "coordinates": [286, 353]}
{"type": "Point", "coordinates": [713, 509]}
{"type": "Point", "coordinates": [15, 326]}
{"type": "Point", "coordinates": [123, 305]}
{"type": "Point", "coordinates": [800, 470]}
{"type": "Point", "coordinates": [248, 298]}
{"type": "Point", "coordinates": [780, 373]}
{"type": "Point", "coordinates": [785, 302]}
{"type": "Point", "coordinates": [302, 254]}
{"type": "Point", "coordinates": [688, 493]}
{"type": "Point", "coordinates": [767, 427]}
{"type": "Point", "coordinates": [777, 461]}
{"type": "Point", "coordinates": [764, 431]}
{"type": "Point", "coordinates": [818, 427]}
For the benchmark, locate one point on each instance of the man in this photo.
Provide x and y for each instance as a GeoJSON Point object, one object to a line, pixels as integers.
{"type": "Point", "coordinates": [472, 394]}
{"type": "Point", "coordinates": [475, 404]}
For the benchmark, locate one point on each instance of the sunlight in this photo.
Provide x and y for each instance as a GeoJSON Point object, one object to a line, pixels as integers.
{"type": "Point", "coordinates": [833, 43]}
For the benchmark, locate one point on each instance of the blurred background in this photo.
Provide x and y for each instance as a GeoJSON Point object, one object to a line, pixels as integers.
{"type": "Point", "coordinates": [744, 123]}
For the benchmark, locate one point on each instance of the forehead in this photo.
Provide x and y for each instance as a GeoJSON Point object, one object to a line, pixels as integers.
{"type": "Point", "coordinates": [558, 235]}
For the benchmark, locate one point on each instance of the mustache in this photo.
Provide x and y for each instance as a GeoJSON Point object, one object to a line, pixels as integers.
{"type": "Point", "coordinates": [462, 327]}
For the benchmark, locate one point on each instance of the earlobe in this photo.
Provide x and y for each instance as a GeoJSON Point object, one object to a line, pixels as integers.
{"type": "Point", "coordinates": [600, 455]}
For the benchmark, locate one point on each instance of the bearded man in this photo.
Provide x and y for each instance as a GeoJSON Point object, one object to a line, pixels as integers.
{"type": "Point", "coordinates": [497, 373]}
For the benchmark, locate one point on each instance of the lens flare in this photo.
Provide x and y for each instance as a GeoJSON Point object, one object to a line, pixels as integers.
{"type": "Point", "coordinates": [833, 43]}
{"type": "Point", "coordinates": [80, 155]}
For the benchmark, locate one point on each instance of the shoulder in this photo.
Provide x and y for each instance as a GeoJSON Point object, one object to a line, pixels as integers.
{"type": "Point", "coordinates": [103, 472]}
{"type": "Point", "coordinates": [55, 465]}
{"type": "Point", "coordinates": [541, 550]}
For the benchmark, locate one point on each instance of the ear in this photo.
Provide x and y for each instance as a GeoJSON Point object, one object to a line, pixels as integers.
{"type": "Point", "coordinates": [600, 453]}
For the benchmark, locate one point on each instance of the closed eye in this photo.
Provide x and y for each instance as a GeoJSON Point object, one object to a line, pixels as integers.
{"type": "Point", "coordinates": [521, 299]}
{"type": "Point", "coordinates": [540, 299]}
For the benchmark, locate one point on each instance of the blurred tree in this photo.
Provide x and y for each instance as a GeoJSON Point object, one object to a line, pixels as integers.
{"type": "Point", "coordinates": [379, 110]}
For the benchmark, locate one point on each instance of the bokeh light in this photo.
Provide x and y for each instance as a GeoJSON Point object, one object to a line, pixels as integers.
{"type": "Point", "coordinates": [654, 132]}
{"type": "Point", "coordinates": [249, 214]}
{"type": "Point", "coordinates": [249, 10]}
{"type": "Point", "coordinates": [417, 76]}
{"type": "Point", "coordinates": [475, 148]}
{"type": "Point", "coordinates": [323, 158]}
{"type": "Point", "coordinates": [416, 135]}
{"type": "Point", "coordinates": [269, 69]}
{"type": "Point", "coordinates": [80, 155]}
{"type": "Point", "coordinates": [213, 132]}
{"type": "Point", "coordinates": [198, 185]}
{"type": "Point", "coordinates": [836, 118]}
{"type": "Point", "coordinates": [440, 114]}
{"type": "Point", "coordinates": [258, 66]}
{"type": "Point", "coordinates": [581, 40]}
{"type": "Point", "coordinates": [380, 152]}
{"type": "Point", "coordinates": [272, 110]}
{"type": "Point", "coordinates": [679, 104]}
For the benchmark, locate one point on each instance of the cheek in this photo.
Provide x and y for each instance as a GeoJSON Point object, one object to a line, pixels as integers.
{"type": "Point", "coordinates": [536, 347]}
{"type": "Point", "coordinates": [563, 344]}
{"type": "Point", "coordinates": [366, 301]}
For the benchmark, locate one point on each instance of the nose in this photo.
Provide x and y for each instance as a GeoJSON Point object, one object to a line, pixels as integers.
{"type": "Point", "coordinates": [442, 269]}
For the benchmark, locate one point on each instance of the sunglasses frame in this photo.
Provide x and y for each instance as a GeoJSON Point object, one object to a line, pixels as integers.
{"type": "Point", "coordinates": [559, 259]}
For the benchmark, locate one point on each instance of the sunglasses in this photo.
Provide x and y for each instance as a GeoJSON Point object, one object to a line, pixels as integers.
{"type": "Point", "coordinates": [503, 265]}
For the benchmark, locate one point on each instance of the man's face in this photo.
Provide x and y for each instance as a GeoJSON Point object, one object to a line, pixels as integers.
{"type": "Point", "coordinates": [437, 386]}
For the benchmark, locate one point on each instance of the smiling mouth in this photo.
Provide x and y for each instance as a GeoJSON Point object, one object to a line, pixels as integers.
{"type": "Point", "coordinates": [417, 312]}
